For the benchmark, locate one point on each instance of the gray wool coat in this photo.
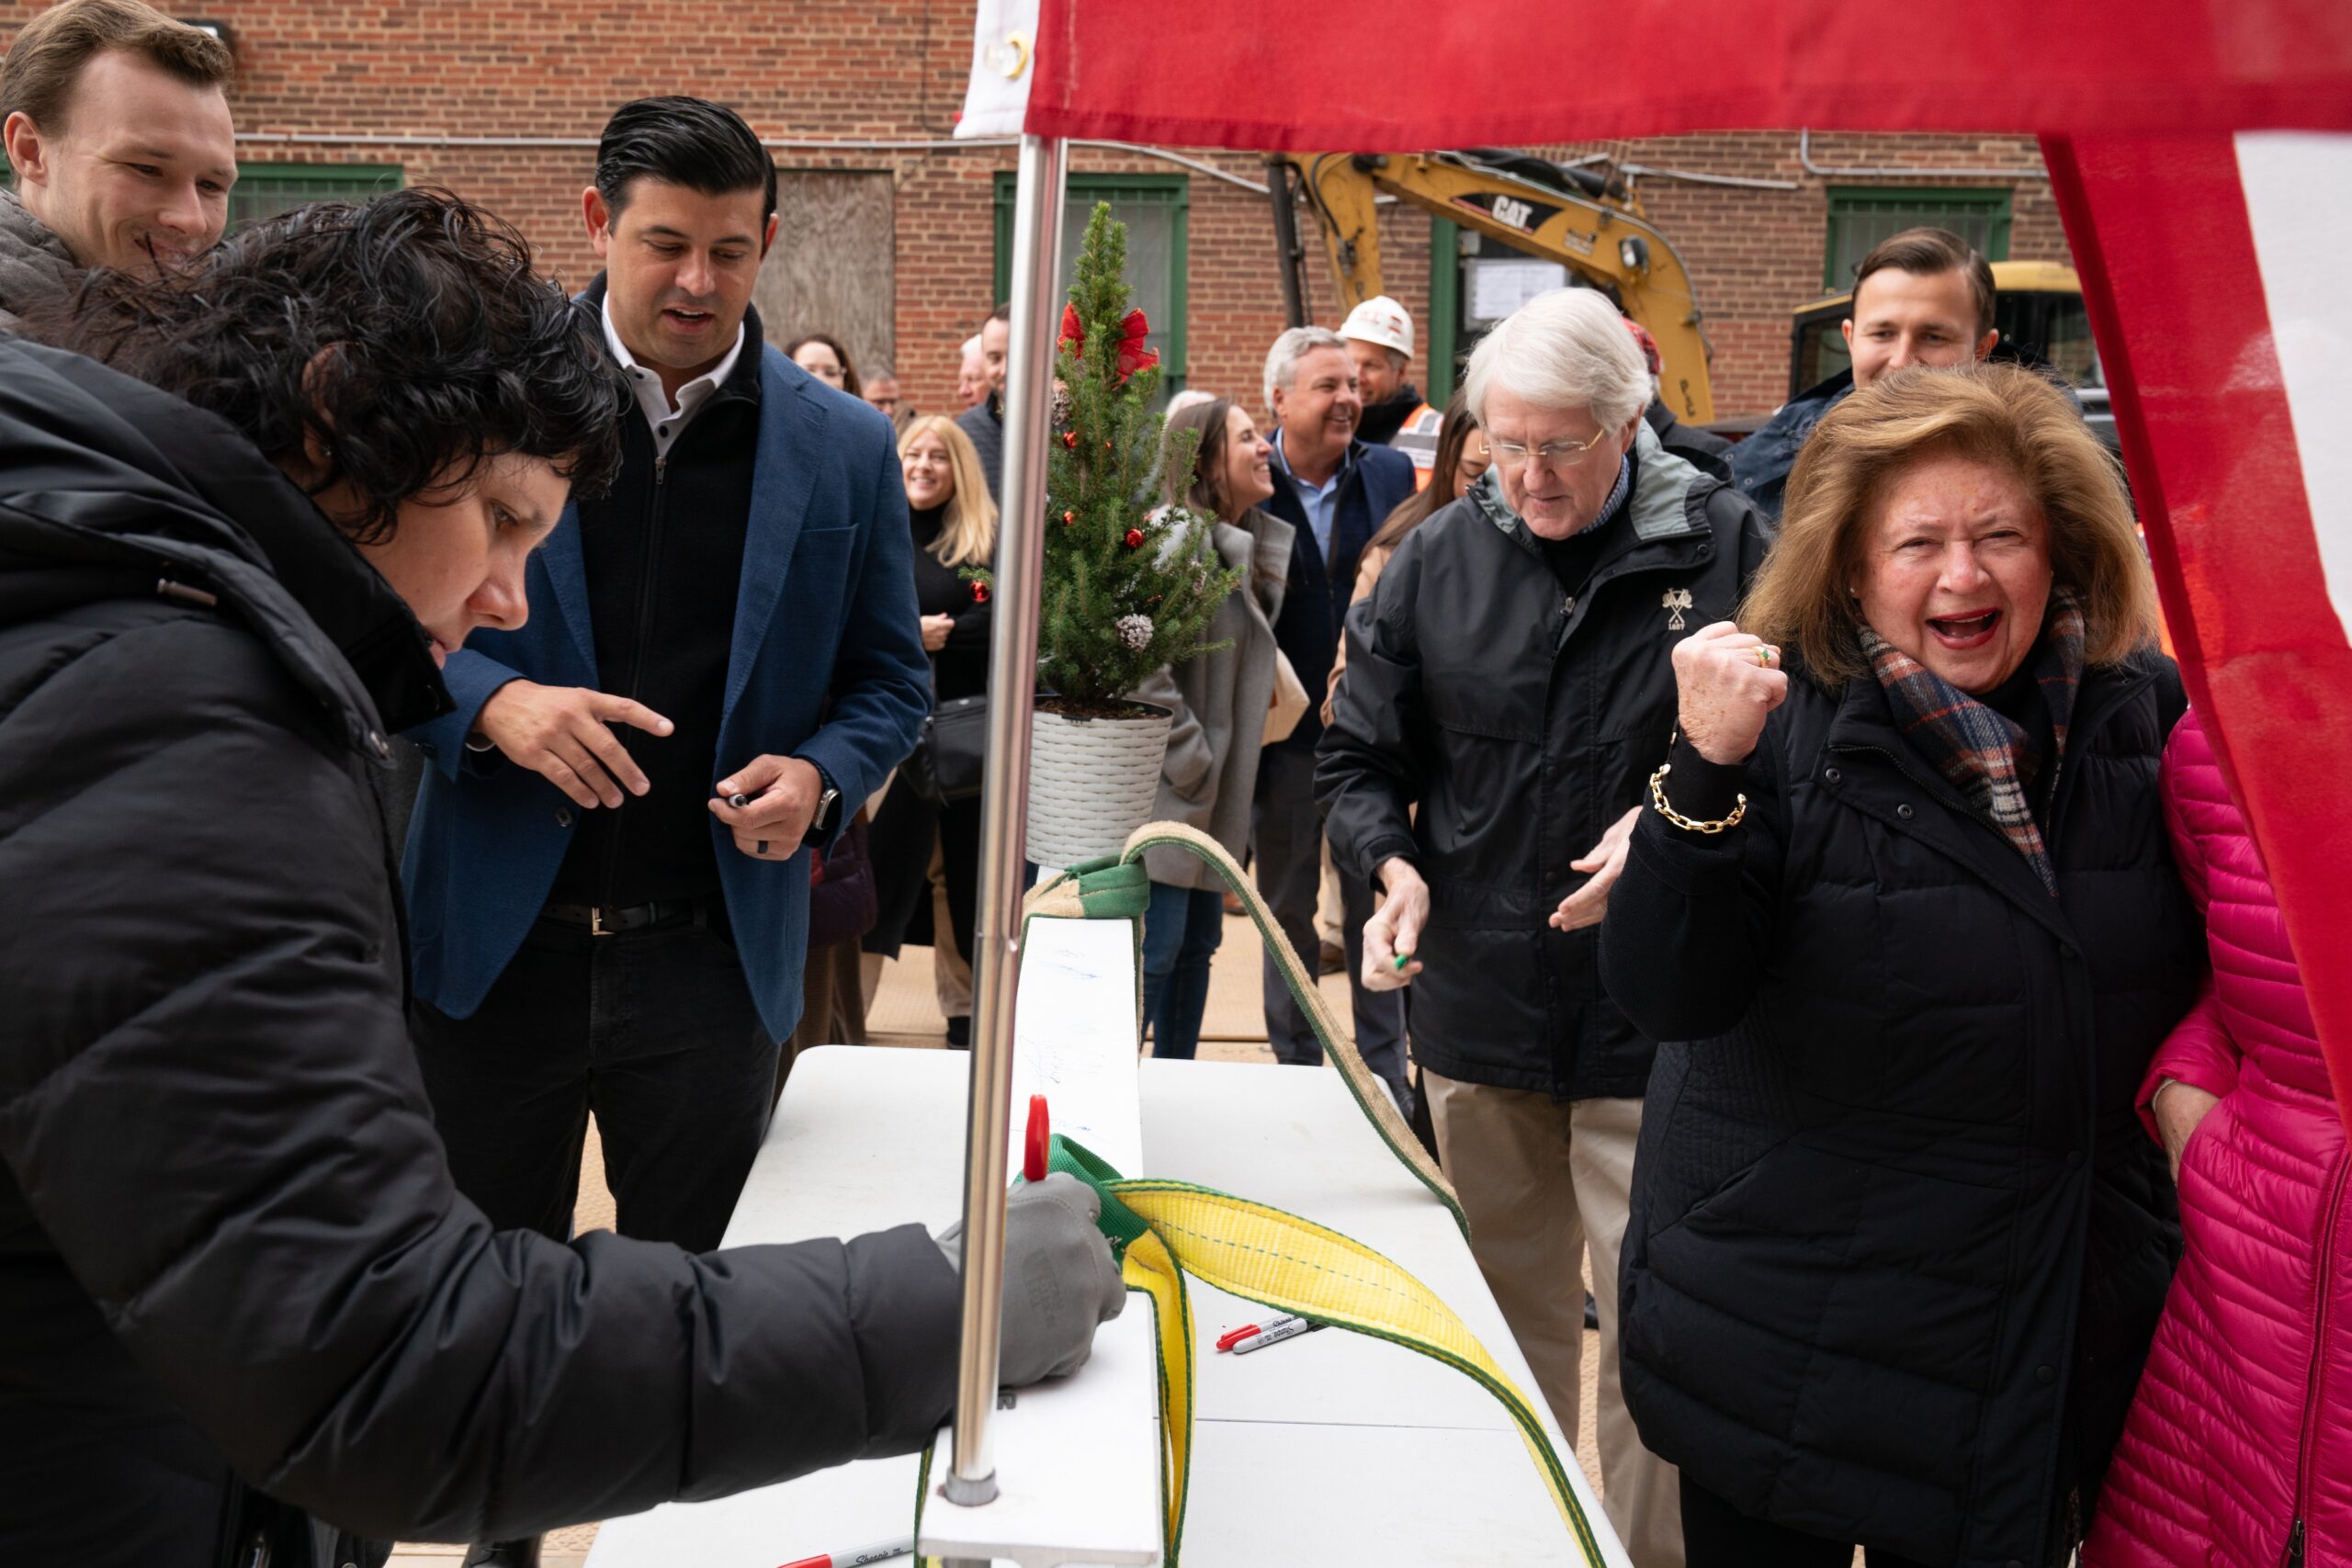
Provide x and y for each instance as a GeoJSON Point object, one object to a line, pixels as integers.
{"type": "Point", "coordinates": [1220, 701]}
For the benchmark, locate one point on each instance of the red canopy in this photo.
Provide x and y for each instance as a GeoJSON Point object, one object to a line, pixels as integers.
{"type": "Point", "coordinates": [2139, 105]}
{"type": "Point", "coordinates": [1384, 75]}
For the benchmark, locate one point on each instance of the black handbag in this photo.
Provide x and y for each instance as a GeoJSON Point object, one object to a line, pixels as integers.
{"type": "Point", "coordinates": [951, 753]}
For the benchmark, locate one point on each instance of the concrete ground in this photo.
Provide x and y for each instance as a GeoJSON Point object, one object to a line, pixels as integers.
{"type": "Point", "coordinates": [906, 1015]}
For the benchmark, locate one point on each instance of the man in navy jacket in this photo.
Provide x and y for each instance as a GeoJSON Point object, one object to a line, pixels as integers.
{"type": "Point", "coordinates": [1335, 492]}
{"type": "Point", "coordinates": [597, 924]}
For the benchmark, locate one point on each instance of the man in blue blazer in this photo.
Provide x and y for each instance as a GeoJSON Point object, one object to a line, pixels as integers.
{"type": "Point", "coordinates": [1335, 491]}
{"type": "Point", "coordinates": [597, 925]}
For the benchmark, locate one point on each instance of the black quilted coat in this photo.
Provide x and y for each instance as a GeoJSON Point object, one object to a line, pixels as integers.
{"type": "Point", "coordinates": [1897, 1241]}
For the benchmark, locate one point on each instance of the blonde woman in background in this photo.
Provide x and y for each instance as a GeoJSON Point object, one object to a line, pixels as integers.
{"type": "Point", "coordinates": [955, 529]}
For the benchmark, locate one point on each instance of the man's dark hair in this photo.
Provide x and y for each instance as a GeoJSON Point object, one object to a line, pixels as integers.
{"type": "Point", "coordinates": [406, 338]}
{"type": "Point", "coordinates": [1003, 312]}
{"type": "Point", "coordinates": [1923, 253]}
{"type": "Point", "coordinates": [683, 141]}
{"type": "Point", "coordinates": [36, 79]}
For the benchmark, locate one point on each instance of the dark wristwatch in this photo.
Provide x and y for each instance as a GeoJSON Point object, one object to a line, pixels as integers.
{"type": "Point", "coordinates": [822, 823]}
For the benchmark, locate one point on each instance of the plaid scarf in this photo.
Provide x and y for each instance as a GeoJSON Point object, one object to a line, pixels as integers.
{"type": "Point", "coordinates": [1981, 752]}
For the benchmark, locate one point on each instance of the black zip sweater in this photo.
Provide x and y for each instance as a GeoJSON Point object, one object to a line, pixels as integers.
{"type": "Point", "coordinates": [664, 556]}
{"type": "Point", "coordinates": [960, 669]}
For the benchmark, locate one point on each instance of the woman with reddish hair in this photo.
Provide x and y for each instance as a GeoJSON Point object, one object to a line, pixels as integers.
{"type": "Point", "coordinates": [2238, 1452]}
{"type": "Point", "coordinates": [1902, 914]}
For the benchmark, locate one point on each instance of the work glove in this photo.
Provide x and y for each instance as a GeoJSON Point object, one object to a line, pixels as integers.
{"type": "Point", "coordinates": [1060, 1280]}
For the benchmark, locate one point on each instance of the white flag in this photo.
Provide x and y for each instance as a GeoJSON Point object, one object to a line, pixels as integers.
{"type": "Point", "coordinates": [1005, 36]}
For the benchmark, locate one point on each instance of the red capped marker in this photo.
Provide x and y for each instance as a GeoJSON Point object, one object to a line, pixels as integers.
{"type": "Point", "coordinates": [1041, 1135]}
{"type": "Point", "coordinates": [1275, 1332]}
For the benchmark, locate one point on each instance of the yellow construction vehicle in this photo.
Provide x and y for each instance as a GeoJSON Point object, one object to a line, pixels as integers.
{"type": "Point", "coordinates": [1585, 218]}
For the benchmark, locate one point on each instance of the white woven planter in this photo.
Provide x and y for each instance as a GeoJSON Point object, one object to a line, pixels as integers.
{"type": "Point", "coordinates": [1092, 782]}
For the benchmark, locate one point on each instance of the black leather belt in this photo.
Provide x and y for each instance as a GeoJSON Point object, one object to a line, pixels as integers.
{"type": "Point", "coordinates": [602, 920]}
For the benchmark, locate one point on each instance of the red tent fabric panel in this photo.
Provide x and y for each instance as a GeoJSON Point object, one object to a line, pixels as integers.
{"type": "Point", "coordinates": [2160, 232]}
{"type": "Point", "coordinates": [2146, 93]}
{"type": "Point", "coordinates": [1377, 75]}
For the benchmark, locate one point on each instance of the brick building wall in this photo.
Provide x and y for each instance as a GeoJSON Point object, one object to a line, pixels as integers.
{"type": "Point", "coordinates": [501, 101]}
{"type": "Point", "coordinates": [1757, 254]}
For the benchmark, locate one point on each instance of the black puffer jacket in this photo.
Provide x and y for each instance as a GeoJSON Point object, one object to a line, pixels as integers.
{"type": "Point", "coordinates": [230, 1255]}
{"type": "Point", "coordinates": [1521, 724]}
{"type": "Point", "coordinates": [1897, 1241]}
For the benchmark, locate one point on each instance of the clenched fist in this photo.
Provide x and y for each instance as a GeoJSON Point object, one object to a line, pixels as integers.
{"type": "Point", "coordinates": [1728, 683]}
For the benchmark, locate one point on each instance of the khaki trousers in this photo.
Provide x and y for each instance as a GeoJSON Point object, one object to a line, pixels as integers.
{"type": "Point", "coordinates": [1541, 1182]}
{"type": "Point", "coordinates": [951, 968]}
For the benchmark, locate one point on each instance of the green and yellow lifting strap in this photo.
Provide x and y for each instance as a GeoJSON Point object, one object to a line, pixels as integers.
{"type": "Point", "coordinates": [1162, 1231]}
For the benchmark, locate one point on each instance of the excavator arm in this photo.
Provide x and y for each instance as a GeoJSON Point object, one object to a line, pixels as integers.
{"type": "Point", "coordinates": [1588, 221]}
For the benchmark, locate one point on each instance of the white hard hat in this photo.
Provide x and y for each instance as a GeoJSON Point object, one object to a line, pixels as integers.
{"type": "Point", "coordinates": [1382, 321]}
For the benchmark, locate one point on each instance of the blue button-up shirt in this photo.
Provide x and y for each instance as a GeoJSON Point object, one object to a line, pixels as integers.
{"type": "Point", "coordinates": [1322, 501]}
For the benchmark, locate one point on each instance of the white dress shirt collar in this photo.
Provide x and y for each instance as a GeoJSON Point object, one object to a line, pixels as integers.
{"type": "Point", "coordinates": [664, 418]}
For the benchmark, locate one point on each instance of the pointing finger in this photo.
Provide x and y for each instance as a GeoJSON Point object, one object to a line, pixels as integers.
{"type": "Point", "coordinates": [622, 710]}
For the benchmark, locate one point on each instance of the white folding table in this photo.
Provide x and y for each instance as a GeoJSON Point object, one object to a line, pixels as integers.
{"type": "Point", "coordinates": [1331, 1447]}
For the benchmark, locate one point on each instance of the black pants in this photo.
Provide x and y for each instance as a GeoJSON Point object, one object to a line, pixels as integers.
{"type": "Point", "coordinates": [1716, 1535]}
{"type": "Point", "coordinates": [653, 1030]}
{"type": "Point", "coordinates": [1286, 835]}
{"type": "Point", "coordinates": [900, 847]}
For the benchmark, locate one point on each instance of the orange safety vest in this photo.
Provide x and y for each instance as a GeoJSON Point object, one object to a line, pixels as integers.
{"type": "Point", "coordinates": [1417, 438]}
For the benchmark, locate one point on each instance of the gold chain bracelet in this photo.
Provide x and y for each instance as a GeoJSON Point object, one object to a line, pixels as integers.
{"type": "Point", "coordinates": [1657, 799]}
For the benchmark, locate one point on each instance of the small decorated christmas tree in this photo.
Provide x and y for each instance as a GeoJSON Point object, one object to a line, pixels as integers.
{"type": "Point", "coordinates": [1129, 584]}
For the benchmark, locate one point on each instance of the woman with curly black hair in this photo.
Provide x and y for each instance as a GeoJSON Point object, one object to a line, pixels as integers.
{"type": "Point", "coordinates": [237, 1287]}
{"type": "Point", "coordinates": [402, 364]}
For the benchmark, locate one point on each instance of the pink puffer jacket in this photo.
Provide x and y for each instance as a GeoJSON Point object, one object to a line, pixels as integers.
{"type": "Point", "coordinates": [2239, 1449]}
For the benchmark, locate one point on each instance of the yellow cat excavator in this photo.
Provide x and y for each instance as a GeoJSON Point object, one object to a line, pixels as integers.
{"type": "Point", "coordinates": [1587, 217]}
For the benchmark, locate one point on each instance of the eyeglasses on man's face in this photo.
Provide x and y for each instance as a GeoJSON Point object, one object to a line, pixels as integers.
{"type": "Point", "coordinates": [1553, 454]}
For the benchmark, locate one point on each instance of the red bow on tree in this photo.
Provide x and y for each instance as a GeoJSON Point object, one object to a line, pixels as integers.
{"type": "Point", "coordinates": [1133, 355]}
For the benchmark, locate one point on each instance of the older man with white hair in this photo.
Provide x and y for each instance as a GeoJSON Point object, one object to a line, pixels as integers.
{"type": "Point", "coordinates": [971, 374]}
{"type": "Point", "coordinates": [1335, 492]}
{"type": "Point", "coordinates": [1508, 691]}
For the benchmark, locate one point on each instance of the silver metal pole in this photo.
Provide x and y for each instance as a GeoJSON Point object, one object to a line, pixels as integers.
{"type": "Point", "coordinates": [1004, 800]}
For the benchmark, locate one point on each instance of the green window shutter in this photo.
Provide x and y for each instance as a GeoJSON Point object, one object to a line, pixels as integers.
{"type": "Point", "coordinates": [1859, 217]}
{"type": "Point", "coordinates": [1157, 209]}
{"type": "Point", "coordinates": [265, 190]}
